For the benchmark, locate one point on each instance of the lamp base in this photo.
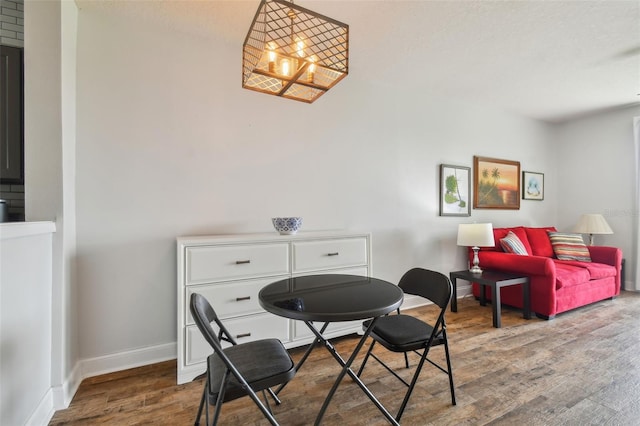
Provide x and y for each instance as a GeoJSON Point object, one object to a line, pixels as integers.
{"type": "Point", "coordinates": [475, 269]}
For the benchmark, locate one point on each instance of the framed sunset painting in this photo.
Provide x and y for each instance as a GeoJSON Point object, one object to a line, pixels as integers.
{"type": "Point", "coordinates": [496, 183]}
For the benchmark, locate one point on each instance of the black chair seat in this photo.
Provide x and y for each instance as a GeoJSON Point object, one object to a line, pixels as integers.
{"type": "Point", "coordinates": [263, 364]}
{"type": "Point", "coordinates": [402, 333]}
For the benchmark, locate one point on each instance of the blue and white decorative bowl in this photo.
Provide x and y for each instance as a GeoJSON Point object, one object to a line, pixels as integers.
{"type": "Point", "coordinates": [287, 225]}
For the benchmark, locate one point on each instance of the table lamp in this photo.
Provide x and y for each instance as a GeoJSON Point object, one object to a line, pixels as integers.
{"type": "Point", "coordinates": [592, 224]}
{"type": "Point", "coordinates": [475, 235]}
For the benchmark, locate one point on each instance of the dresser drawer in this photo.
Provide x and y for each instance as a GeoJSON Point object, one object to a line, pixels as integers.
{"type": "Point", "coordinates": [222, 263]}
{"type": "Point", "coordinates": [231, 299]}
{"type": "Point", "coordinates": [329, 254]}
{"type": "Point", "coordinates": [243, 329]}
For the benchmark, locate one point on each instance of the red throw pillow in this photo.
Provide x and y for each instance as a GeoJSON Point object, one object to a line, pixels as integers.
{"type": "Point", "coordinates": [539, 241]}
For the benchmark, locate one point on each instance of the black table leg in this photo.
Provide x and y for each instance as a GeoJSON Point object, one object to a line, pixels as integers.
{"type": "Point", "coordinates": [346, 369]}
{"type": "Point", "coordinates": [526, 307]}
{"type": "Point", "coordinates": [312, 345]}
{"type": "Point", "coordinates": [496, 307]}
{"type": "Point", "coordinates": [483, 295]}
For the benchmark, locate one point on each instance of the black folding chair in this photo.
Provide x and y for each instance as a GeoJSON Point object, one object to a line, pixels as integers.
{"type": "Point", "coordinates": [240, 369]}
{"type": "Point", "coordinates": [404, 333]}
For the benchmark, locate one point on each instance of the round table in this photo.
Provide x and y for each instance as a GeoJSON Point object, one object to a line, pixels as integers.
{"type": "Point", "coordinates": [330, 298]}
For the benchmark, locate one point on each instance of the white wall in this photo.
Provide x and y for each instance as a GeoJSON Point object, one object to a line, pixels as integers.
{"type": "Point", "coordinates": [50, 30]}
{"type": "Point", "coordinates": [25, 323]}
{"type": "Point", "coordinates": [596, 174]}
{"type": "Point", "coordinates": [169, 144]}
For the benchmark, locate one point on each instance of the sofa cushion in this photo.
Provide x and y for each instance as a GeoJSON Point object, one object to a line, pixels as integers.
{"type": "Point", "coordinates": [539, 241]}
{"type": "Point", "coordinates": [600, 270]}
{"type": "Point", "coordinates": [569, 246]}
{"type": "Point", "coordinates": [500, 233]}
{"type": "Point", "coordinates": [570, 276]}
{"type": "Point", "coordinates": [512, 244]}
{"type": "Point", "coordinates": [596, 270]}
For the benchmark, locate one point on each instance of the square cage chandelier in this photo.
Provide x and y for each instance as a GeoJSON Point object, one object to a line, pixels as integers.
{"type": "Point", "coordinates": [294, 52]}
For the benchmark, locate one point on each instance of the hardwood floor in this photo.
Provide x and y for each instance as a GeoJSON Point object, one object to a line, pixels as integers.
{"type": "Point", "coordinates": [581, 368]}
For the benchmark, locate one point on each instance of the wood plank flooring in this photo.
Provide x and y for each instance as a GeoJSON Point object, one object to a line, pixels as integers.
{"type": "Point", "coordinates": [581, 368]}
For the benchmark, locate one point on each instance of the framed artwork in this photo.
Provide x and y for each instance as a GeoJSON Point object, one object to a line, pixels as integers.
{"type": "Point", "coordinates": [532, 186]}
{"type": "Point", "coordinates": [455, 189]}
{"type": "Point", "coordinates": [496, 183]}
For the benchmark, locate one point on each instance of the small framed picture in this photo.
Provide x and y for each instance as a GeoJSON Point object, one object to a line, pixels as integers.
{"type": "Point", "coordinates": [455, 190]}
{"type": "Point", "coordinates": [532, 186]}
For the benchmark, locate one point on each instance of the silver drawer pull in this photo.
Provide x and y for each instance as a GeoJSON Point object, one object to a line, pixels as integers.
{"type": "Point", "coordinates": [242, 262]}
{"type": "Point", "coordinates": [333, 254]}
{"type": "Point", "coordinates": [240, 336]}
{"type": "Point", "coordinates": [240, 299]}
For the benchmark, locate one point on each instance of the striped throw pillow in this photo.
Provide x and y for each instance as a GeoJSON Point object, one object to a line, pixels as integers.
{"type": "Point", "coordinates": [512, 244]}
{"type": "Point", "coordinates": [569, 246]}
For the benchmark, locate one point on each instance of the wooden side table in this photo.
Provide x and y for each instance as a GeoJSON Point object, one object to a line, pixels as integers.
{"type": "Point", "coordinates": [496, 280]}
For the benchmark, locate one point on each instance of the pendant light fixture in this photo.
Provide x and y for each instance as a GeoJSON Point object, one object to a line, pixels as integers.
{"type": "Point", "coordinates": [294, 52]}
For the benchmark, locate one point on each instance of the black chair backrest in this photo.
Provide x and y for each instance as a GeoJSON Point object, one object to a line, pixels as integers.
{"type": "Point", "coordinates": [203, 315]}
{"type": "Point", "coordinates": [431, 285]}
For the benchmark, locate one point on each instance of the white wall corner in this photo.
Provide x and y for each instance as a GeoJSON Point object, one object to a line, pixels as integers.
{"type": "Point", "coordinates": [63, 394]}
{"type": "Point", "coordinates": [60, 397]}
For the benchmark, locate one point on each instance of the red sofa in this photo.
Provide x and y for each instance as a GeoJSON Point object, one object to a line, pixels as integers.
{"type": "Point", "coordinates": [556, 285]}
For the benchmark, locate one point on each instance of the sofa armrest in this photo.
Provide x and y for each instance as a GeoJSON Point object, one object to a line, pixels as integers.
{"type": "Point", "coordinates": [607, 255]}
{"type": "Point", "coordinates": [528, 265]}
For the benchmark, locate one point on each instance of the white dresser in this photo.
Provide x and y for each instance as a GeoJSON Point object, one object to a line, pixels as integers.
{"type": "Point", "coordinates": [230, 270]}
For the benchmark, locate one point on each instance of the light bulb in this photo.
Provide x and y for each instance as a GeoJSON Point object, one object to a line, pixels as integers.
{"type": "Point", "coordinates": [310, 72]}
{"type": "Point", "coordinates": [284, 66]}
{"type": "Point", "coordinates": [300, 48]}
{"type": "Point", "coordinates": [272, 61]}
{"type": "Point", "coordinates": [271, 53]}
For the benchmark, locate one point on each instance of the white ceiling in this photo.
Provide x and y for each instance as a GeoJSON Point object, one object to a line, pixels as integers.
{"type": "Point", "coordinates": [549, 60]}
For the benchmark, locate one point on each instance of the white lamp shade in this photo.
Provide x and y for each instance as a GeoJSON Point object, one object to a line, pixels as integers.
{"type": "Point", "coordinates": [592, 224]}
{"type": "Point", "coordinates": [475, 235]}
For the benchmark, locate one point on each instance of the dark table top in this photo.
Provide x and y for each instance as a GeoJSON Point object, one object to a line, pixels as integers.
{"type": "Point", "coordinates": [488, 275]}
{"type": "Point", "coordinates": [331, 297]}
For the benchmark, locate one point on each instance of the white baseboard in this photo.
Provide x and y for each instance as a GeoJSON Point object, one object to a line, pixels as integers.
{"type": "Point", "coordinates": [59, 397]}
{"type": "Point", "coordinates": [63, 394]}
{"type": "Point", "coordinates": [43, 412]}
{"type": "Point", "coordinates": [129, 359]}
{"type": "Point", "coordinates": [630, 286]}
